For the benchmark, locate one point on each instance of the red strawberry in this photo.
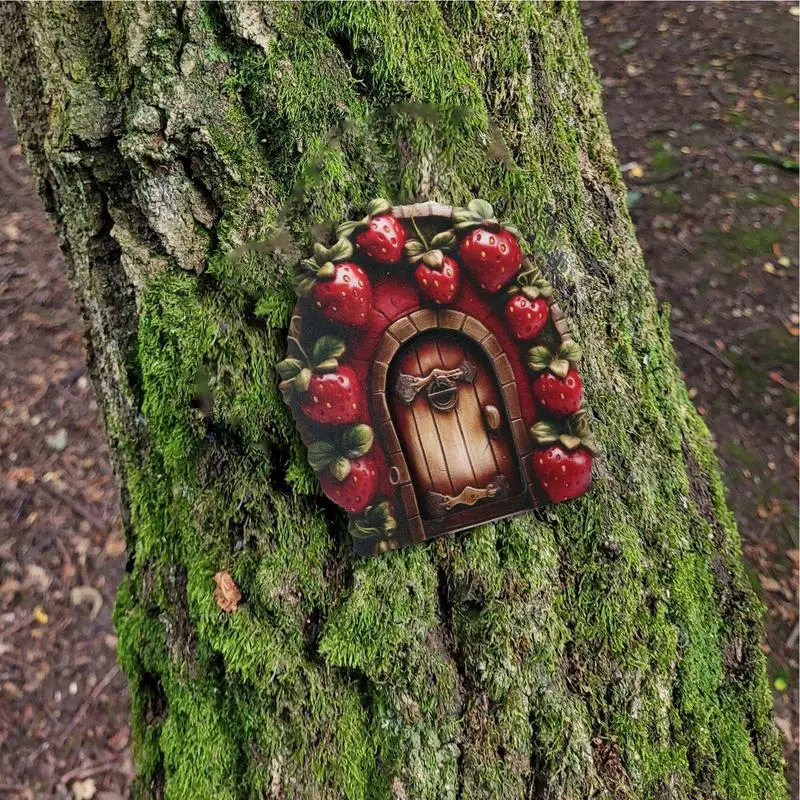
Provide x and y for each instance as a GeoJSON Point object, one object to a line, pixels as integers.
{"type": "Point", "coordinates": [354, 492]}
{"type": "Point", "coordinates": [525, 317]}
{"type": "Point", "coordinates": [557, 387]}
{"type": "Point", "coordinates": [348, 475]}
{"type": "Point", "coordinates": [562, 396]}
{"type": "Point", "coordinates": [438, 276]}
{"type": "Point", "coordinates": [334, 398]}
{"type": "Point", "coordinates": [527, 310]}
{"type": "Point", "coordinates": [379, 235]}
{"type": "Point", "coordinates": [439, 285]}
{"type": "Point", "coordinates": [339, 289]}
{"type": "Point", "coordinates": [489, 252]}
{"type": "Point", "coordinates": [562, 473]}
{"type": "Point", "coordinates": [331, 393]}
{"type": "Point", "coordinates": [564, 464]}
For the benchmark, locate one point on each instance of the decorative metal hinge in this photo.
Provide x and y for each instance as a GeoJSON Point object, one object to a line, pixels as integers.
{"type": "Point", "coordinates": [440, 504]}
{"type": "Point", "coordinates": [408, 387]}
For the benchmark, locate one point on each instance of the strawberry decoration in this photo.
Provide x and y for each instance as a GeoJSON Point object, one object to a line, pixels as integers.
{"type": "Point", "coordinates": [438, 276]}
{"type": "Point", "coordinates": [339, 289]}
{"type": "Point", "coordinates": [558, 387]}
{"type": "Point", "coordinates": [379, 236]}
{"type": "Point", "coordinates": [331, 392]}
{"type": "Point", "coordinates": [489, 251]}
{"type": "Point", "coordinates": [347, 473]}
{"type": "Point", "coordinates": [527, 310]}
{"type": "Point", "coordinates": [564, 464]}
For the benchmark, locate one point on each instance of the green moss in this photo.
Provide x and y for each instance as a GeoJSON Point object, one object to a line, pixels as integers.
{"type": "Point", "coordinates": [499, 663]}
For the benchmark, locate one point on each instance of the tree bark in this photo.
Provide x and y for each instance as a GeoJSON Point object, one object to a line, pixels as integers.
{"type": "Point", "coordinates": [608, 647]}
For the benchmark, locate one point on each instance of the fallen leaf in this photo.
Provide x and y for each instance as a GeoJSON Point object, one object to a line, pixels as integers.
{"type": "Point", "coordinates": [776, 377]}
{"type": "Point", "coordinates": [57, 441]}
{"type": "Point", "coordinates": [787, 729]}
{"type": "Point", "coordinates": [780, 683]}
{"type": "Point", "coordinates": [40, 615]}
{"type": "Point", "coordinates": [84, 790]}
{"type": "Point", "coordinates": [36, 576]}
{"type": "Point", "coordinates": [227, 593]}
{"type": "Point", "coordinates": [637, 171]}
{"type": "Point", "coordinates": [769, 584]}
{"type": "Point", "coordinates": [115, 546]}
{"type": "Point", "coordinates": [87, 594]}
{"type": "Point", "coordinates": [120, 739]}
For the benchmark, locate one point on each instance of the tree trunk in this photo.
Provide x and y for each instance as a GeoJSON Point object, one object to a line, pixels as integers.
{"type": "Point", "coordinates": [607, 647]}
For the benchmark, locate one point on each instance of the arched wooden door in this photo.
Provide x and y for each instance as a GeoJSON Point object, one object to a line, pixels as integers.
{"type": "Point", "coordinates": [449, 415]}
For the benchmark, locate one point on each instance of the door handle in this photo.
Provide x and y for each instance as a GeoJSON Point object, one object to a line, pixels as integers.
{"type": "Point", "coordinates": [440, 504]}
{"type": "Point", "coordinates": [492, 417]}
{"type": "Point", "coordinates": [407, 387]}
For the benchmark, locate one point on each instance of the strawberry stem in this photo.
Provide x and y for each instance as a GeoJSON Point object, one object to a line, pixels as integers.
{"type": "Point", "coordinates": [419, 233]}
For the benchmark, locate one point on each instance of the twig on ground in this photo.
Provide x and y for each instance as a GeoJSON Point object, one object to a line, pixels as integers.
{"type": "Point", "coordinates": [109, 765]}
{"type": "Point", "coordinates": [99, 524]}
{"type": "Point", "coordinates": [81, 713]}
{"type": "Point", "coordinates": [17, 626]}
{"type": "Point", "coordinates": [687, 337]}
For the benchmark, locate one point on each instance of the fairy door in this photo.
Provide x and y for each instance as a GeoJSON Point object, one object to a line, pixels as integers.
{"type": "Point", "coordinates": [453, 428]}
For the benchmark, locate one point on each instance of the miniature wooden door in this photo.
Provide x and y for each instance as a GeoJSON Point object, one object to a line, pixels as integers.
{"type": "Point", "coordinates": [449, 416]}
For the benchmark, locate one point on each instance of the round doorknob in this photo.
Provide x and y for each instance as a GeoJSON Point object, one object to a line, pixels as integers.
{"type": "Point", "coordinates": [492, 417]}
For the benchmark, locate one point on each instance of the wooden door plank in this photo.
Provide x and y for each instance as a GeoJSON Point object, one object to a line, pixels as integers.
{"type": "Point", "coordinates": [411, 438]}
{"type": "Point", "coordinates": [469, 415]}
{"type": "Point", "coordinates": [453, 446]}
{"type": "Point", "coordinates": [486, 393]}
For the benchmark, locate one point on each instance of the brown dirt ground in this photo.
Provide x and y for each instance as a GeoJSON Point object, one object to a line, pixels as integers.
{"type": "Point", "coordinates": [702, 103]}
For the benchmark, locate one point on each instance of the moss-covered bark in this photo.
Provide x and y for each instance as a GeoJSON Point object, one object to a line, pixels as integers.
{"type": "Point", "coordinates": [605, 648]}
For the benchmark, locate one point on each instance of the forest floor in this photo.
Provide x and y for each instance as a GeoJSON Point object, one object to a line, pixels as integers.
{"type": "Point", "coordinates": [702, 104]}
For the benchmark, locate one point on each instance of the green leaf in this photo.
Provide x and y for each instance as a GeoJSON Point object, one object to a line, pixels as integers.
{"type": "Point", "coordinates": [321, 455]}
{"type": "Point", "coordinates": [303, 286]}
{"type": "Point", "coordinates": [327, 271]}
{"type": "Point", "coordinates": [289, 368]}
{"type": "Point", "coordinates": [559, 367]}
{"type": "Point", "coordinates": [341, 250]}
{"type": "Point", "coordinates": [481, 208]}
{"type": "Point", "coordinates": [569, 441]}
{"type": "Point", "coordinates": [571, 351]}
{"type": "Point", "coordinates": [539, 358]}
{"type": "Point", "coordinates": [357, 441]}
{"type": "Point", "coordinates": [340, 468]}
{"type": "Point", "coordinates": [544, 433]}
{"type": "Point", "coordinates": [378, 206]}
{"type": "Point", "coordinates": [444, 240]}
{"type": "Point", "coordinates": [327, 347]}
{"type": "Point", "coordinates": [329, 365]}
{"type": "Point", "coordinates": [303, 379]}
{"type": "Point", "coordinates": [414, 248]}
{"type": "Point", "coordinates": [376, 520]}
{"type": "Point", "coordinates": [348, 228]}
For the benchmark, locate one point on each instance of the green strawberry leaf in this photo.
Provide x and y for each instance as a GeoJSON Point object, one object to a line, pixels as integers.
{"type": "Point", "coordinates": [329, 365]}
{"type": "Point", "coordinates": [481, 208]}
{"type": "Point", "coordinates": [289, 368]}
{"type": "Point", "coordinates": [327, 271]}
{"type": "Point", "coordinates": [559, 367]}
{"type": "Point", "coordinates": [348, 228]}
{"type": "Point", "coordinates": [539, 358]}
{"type": "Point", "coordinates": [357, 441]}
{"type": "Point", "coordinates": [376, 520]}
{"type": "Point", "coordinates": [414, 247]}
{"type": "Point", "coordinates": [341, 250]}
{"type": "Point", "coordinates": [569, 441]}
{"type": "Point", "coordinates": [303, 379]}
{"type": "Point", "coordinates": [545, 432]}
{"type": "Point", "coordinates": [321, 455]}
{"type": "Point", "coordinates": [571, 351]}
{"type": "Point", "coordinates": [339, 468]}
{"type": "Point", "coordinates": [304, 285]}
{"type": "Point", "coordinates": [378, 206]}
{"type": "Point", "coordinates": [444, 240]}
{"type": "Point", "coordinates": [327, 347]}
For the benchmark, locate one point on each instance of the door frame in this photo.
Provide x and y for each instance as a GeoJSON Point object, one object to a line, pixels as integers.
{"type": "Point", "coordinates": [394, 337]}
